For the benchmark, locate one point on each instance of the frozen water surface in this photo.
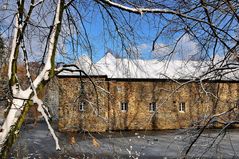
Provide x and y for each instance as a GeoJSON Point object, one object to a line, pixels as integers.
{"type": "Point", "coordinates": [37, 142]}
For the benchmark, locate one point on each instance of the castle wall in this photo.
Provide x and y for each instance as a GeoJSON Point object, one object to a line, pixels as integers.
{"type": "Point", "coordinates": [200, 103]}
{"type": "Point", "coordinates": [94, 116]}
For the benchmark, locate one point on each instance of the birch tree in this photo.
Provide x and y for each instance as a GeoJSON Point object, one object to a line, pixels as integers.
{"type": "Point", "coordinates": [212, 24]}
{"type": "Point", "coordinates": [22, 98]}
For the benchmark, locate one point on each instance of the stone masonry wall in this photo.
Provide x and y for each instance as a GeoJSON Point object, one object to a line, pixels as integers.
{"type": "Point", "coordinates": [168, 96]}
{"type": "Point", "coordinates": [200, 103]}
{"type": "Point", "coordinates": [95, 114]}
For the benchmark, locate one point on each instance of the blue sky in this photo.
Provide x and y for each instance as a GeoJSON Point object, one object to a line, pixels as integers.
{"type": "Point", "coordinates": [145, 26]}
{"type": "Point", "coordinates": [145, 30]}
{"type": "Point", "coordinates": [103, 35]}
{"type": "Point", "coordinates": [102, 40]}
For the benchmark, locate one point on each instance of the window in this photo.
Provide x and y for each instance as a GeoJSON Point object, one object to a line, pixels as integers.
{"type": "Point", "coordinates": [181, 107]}
{"type": "Point", "coordinates": [82, 106]}
{"type": "Point", "coordinates": [124, 106]}
{"type": "Point", "coordinates": [152, 107]}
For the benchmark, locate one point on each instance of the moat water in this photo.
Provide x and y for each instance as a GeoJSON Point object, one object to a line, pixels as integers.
{"type": "Point", "coordinates": [37, 142]}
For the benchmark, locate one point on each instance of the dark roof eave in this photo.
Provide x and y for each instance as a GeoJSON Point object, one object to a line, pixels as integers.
{"type": "Point", "coordinates": [179, 80]}
{"type": "Point", "coordinates": [148, 79]}
{"type": "Point", "coordinates": [82, 76]}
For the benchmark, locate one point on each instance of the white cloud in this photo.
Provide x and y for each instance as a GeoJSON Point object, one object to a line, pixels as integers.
{"type": "Point", "coordinates": [161, 50]}
{"type": "Point", "coordinates": [143, 46]}
{"type": "Point", "coordinates": [137, 51]}
{"type": "Point", "coordinates": [186, 48]}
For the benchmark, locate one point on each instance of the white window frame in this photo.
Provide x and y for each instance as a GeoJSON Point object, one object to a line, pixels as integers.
{"type": "Point", "coordinates": [152, 107]}
{"type": "Point", "coordinates": [182, 107]}
{"type": "Point", "coordinates": [124, 106]}
{"type": "Point", "coordinates": [82, 106]}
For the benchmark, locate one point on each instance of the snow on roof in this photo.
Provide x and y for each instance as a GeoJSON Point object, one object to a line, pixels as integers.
{"type": "Point", "coordinates": [83, 63]}
{"type": "Point", "coordinates": [114, 67]}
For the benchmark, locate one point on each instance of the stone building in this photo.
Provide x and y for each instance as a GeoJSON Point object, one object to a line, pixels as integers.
{"type": "Point", "coordinates": [104, 101]}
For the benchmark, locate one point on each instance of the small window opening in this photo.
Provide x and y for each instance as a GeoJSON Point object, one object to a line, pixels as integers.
{"type": "Point", "coordinates": [124, 106]}
{"type": "Point", "coordinates": [181, 107]}
{"type": "Point", "coordinates": [82, 106]}
{"type": "Point", "coordinates": [152, 107]}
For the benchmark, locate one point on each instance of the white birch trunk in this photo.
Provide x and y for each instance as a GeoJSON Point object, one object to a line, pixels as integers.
{"type": "Point", "coordinates": [20, 96]}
